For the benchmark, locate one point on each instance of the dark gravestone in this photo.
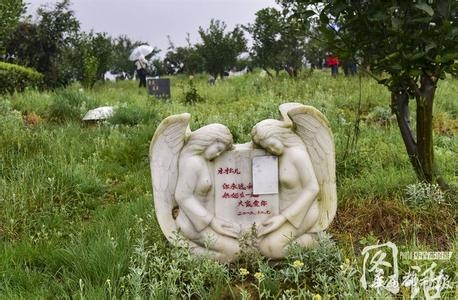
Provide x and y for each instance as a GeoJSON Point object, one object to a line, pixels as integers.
{"type": "Point", "coordinates": [160, 88]}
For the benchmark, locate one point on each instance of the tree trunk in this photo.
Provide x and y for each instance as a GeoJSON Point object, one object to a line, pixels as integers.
{"type": "Point", "coordinates": [268, 73]}
{"type": "Point", "coordinates": [292, 72]}
{"type": "Point", "coordinates": [421, 150]}
{"type": "Point", "coordinates": [425, 99]}
{"type": "Point", "coordinates": [400, 107]}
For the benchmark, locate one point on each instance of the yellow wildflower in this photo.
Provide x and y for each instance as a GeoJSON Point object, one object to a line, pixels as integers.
{"type": "Point", "coordinates": [243, 272]}
{"type": "Point", "coordinates": [259, 276]}
{"type": "Point", "coordinates": [298, 264]}
{"type": "Point", "coordinates": [289, 291]}
{"type": "Point", "coordinates": [316, 297]}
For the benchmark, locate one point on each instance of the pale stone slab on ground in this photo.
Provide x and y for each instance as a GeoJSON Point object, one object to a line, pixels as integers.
{"type": "Point", "coordinates": [99, 113]}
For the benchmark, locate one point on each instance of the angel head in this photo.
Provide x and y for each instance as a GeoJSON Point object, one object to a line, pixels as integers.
{"type": "Point", "coordinates": [274, 136]}
{"type": "Point", "coordinates": [209, 141]}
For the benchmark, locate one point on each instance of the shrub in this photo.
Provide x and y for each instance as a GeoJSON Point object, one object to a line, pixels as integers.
{"type": "Point", "coordinates": [91, 64]}
{"type": "Point", "coordinates": [172, 274]}
{"type": "Point", "coordinates": [134, 115]}
{"type": "Point", "coordinates": [191, 96]}
{"type": "Point", "coordinates": [423, 194]}
{"type": "Point", "coordinates": [381, 116]}
{"type": "Point", "coordinates": [68, 105]}
{"type": "Point", "coordinates": [17, 78]}
{"type": "Point", "coordinates": [11, 131]}
{"type": "Point", "coordinates": [319, 265]}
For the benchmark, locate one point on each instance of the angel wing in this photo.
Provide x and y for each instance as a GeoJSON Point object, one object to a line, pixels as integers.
{"type": "Point", "coordinates": [165, 147]}
{"type": "Point", "coordinates": [314, 130]}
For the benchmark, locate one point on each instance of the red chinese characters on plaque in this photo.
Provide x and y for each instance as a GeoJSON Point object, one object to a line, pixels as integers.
{"type": "Point", "coordinates": [234, 197]}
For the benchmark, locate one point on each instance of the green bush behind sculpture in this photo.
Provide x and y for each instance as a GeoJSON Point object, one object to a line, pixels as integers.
{"type": "Point", "coordinates": [18, 78]}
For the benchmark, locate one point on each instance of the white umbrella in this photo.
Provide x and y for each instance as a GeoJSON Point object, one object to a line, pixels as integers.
{"type": "Point", "coordinates": [142, 50]}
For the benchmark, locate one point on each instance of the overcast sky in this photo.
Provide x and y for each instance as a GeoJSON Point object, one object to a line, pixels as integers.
{"type": "Point", "coordinates": [152, 21]}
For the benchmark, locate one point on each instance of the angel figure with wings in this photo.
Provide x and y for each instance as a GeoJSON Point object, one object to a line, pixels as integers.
{"type": "Point", "coordinates": [183, 182]}
{"type": "Point", "coordinates": [303, 142]}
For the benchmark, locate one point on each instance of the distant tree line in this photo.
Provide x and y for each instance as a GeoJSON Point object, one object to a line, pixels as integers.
{"type": "Point", "coordinates": [408, 46]}
{"type": "Point", "coordinates": [55, 46]}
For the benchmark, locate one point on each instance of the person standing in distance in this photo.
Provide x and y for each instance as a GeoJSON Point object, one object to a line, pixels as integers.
{"type": "Point", "coordinates": [141, 64]}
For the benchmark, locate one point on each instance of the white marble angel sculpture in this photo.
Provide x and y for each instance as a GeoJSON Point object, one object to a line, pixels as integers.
{"type": "Point", "coordinates": [303, 142]}
{"type": "Point", "coordinates": [183, 180]}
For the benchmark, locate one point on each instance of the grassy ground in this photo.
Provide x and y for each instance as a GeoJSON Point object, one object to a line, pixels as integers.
{"type": "Point", "coordinates": [76, 211]}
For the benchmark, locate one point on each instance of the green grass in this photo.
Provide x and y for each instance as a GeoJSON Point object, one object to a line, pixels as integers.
{"type": "Point", "coordinates": [76, 211]}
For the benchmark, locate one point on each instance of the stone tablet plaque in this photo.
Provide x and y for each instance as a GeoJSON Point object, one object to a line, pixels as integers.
{"type": "Point", "coordinates": [160, 88]}
{"type": "Point", "coordinates": [265, 175]}
{"type": "Point", "coordinates": [235, 200]}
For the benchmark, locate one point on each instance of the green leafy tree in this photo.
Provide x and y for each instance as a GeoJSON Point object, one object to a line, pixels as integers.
{"type": "Point", "coordinates": [101, 47]}
{"type": "Point", "coordinates": [279, 41]}
{"type": "Point", "coordinates": [91, 57]}
{"type": "Point", "coordinates": [57, 30]}
{"type": "Point", "coordinates": [296, 30]}
{"type": "Point", "coordinates": [174, 61]}
{"type": "Point", "coordinates": [159, 67]}
{"type": "Point", "coordinates": [315, 50]}
{"type": "Point", "coordinates": [122, 46]}
{"type": "Point", "coordinates": [219, 49]}
{"type": "Point", "coordinates": [10, 12]}
{"type": "Point", "coordinates": [42, 45]}
{"type": "Point", "coordinates": [183, 59]}
{"type": "Point", "coordinates": [410, 46]}
{"type": "Point", "coordinates": [23, 43]}
{"type": "Point", "coordinates": [89, 72]}
{"type": "Point", "coordinates": [266, 33]}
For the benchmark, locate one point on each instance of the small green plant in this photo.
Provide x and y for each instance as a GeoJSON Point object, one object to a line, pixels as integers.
{"type": "Point", "coordinates": [172, 273]}
{"type": "Point", "coordinates": [191, 96]}
{"type": "Point", "coordinates": [248, 257]}
{"type": "Point", "coordinates": [424, 194]}
{"type": "Point", "coordinates": [67, 106]}
{"type": "Point", "coordinates": [91, 64]}
{"type": "Point", "coordinates": [314, 267]}
{"type": "Point", "coordinates": [133, 115]}
{"type": "Point", "coordinates": [61, 112]}
{"type": "Point", "coordinates": [380, 115]}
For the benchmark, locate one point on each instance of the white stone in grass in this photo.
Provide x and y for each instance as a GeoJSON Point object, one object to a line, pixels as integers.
{"type": "Point", "coordinates": [99, 113]}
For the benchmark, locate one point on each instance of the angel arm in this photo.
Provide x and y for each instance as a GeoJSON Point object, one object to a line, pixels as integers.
{"type": "Point", "coordinates": [296, 212]}
{"type": "Point", "coordinates": [190, 170]}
